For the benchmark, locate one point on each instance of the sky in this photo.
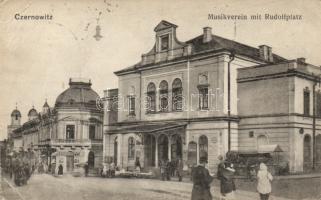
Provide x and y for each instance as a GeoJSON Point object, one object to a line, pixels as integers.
{"type": "Point", "coordinates": [37, 58]}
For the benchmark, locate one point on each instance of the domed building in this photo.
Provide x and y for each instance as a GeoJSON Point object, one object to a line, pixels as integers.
{"type": "Point", "coordinates": [67, 135]}
{"type": "Point", "coordinates": [78, 138]}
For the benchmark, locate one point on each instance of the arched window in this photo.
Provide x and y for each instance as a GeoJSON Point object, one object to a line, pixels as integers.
{"type": "Point", "coordinates": [163, 91]}
{"type": "Point", "coordinates": [203, 146]}
{"type": "Point", "coordinates": [131, 148]}
{"type": "Point", "coordinates": [177, 94]}
{"type": "Point", "coordinates": [151, 97]}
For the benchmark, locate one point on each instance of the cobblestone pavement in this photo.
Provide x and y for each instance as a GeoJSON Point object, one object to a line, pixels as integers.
{"type": "Point", "coordinates": [47, 187]}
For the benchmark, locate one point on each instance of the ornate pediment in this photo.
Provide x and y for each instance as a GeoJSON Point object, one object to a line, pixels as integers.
{"type": "Point", "coordinates": [164, 25]}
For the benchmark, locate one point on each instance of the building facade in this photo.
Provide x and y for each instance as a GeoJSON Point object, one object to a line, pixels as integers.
{"type": "Point", "coordinates": [281, 104]}
{"type": "Point", "coordinates": [69, 134]}
{"type": "Point", "coordinates": [174, 102]}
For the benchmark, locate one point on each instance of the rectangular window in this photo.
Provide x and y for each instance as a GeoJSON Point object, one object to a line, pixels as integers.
{"type": "Point", "coordinates": [306, 103]}
{"type": "Point", "coordinates": [164, 43]}
{"type": "Point", "coordinates": [203, 98]}
{"type": "Point", "coordinates": [131, 102]}
{"type": "Point", "coordinates": [92, 132]}
{"type": "Point", "coordinates": [70, 132]}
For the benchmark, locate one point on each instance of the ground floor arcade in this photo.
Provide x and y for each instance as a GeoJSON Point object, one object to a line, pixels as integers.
{"type": "Point", "coordinates": [153, 143]}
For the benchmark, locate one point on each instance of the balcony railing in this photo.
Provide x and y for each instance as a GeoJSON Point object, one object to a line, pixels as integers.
{"type": "Point", "coordinates": [80, 142]}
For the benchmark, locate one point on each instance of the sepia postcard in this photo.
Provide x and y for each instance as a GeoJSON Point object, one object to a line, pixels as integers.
{"type": "Point", "coordinates": [160, 100]}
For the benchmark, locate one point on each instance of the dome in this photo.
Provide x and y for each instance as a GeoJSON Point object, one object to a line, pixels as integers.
{"type": "Point", "coordinates": [15, 112]}
{"type": "Point", "coordinates": [32, 112]}
{"type": "Point", "coordinates": [79, 94]}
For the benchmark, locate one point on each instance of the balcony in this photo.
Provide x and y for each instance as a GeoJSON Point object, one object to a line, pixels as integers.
{"type": "Point", "coordinates": [71, 142]}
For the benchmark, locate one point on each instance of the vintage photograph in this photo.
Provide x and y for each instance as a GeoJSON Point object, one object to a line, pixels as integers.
{"type": "Point", "coordinates": [160, 100]}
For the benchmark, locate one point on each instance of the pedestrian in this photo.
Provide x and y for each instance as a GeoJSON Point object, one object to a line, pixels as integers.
{"type": "Point", "coordinates": [168, 170]}
{"type": "Point", "coordinates": [86, 169]}
{"type": "Point", "coordinates": [112, 169]}
{"type": "Point", "coordinates": [137, 165]}
{"type": "Point", "coordinates": [173, 166]}
{"type": "Point", "coordinates": [201, 181]}
{"type": "Point", "coordinates": [264, 179]}
{"type": "Point", "coordinates": [60, 170]}
{"type": "Point", "coordinates": [162, 169]}
{"type": "Point", "coordinates": [226, 177]}
{"type": "Point", "coordinates": [220, 166]}
{"type": "Point", "coordinates": [179, 169]}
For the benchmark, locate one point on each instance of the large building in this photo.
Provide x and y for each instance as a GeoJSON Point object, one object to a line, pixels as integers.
{"type": "Point", "coordinates": [174, 103]}
{"type": "Point", "coordinates": [68, 134]}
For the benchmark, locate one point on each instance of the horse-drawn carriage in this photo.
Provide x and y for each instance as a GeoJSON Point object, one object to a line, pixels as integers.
{"type": "Point", "coordinates": [247, 162]}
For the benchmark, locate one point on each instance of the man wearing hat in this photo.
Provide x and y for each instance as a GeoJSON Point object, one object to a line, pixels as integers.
{"type": "Point", "coordinates": [201, 181]}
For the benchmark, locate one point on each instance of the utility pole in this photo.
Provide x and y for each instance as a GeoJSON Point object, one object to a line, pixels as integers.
{"type": "Point", "coordinates": [313, 126]}
{"type": "Point", "coordinates": [232, 56]}
{"type": "Point", "coordinates": [316, 81]}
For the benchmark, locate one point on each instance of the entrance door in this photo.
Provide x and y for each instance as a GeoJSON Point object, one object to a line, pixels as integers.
{"type": "Point", "coordinates": [307, 153]}
{"type": "Point", "coordinates": [70, 163]}
{"type": "Point", "coordinates": [163, 147]}
{"type": "Point", "coordinates": [176, 147]}
{"type": "Point", "coordinates": [91, 160]}
{"type": "Point", "coordinates": [149, 150]}
{"type": "Point", "coordinates": [192, 154]}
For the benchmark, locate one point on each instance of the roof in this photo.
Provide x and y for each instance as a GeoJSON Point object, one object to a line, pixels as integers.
{"type": "Point", "coordinates": [269, 148]}
{"type": "Point", "coordinates": [15, 112]}
{"type": "Point", "coordinates": [217, 44]}
{"type": "Point", "coordinates": [145, 127]}
{"type": "Point", "coordinates": [79, 94]}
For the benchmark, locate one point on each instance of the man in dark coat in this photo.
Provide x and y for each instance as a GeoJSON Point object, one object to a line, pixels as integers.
{"type": "Point", "coordinates": [60, 170]}
{"type": "Point", "coordinates": [201, 181]}
{"type": "Point", "coordinates": [226, 175]}
{"type": "Point", "coordinates": [86, 166]}
{"type": "Point", "coordinates": [179, 169]}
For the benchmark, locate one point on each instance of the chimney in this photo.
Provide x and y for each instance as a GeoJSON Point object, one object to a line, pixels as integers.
{"type": "Point", "coordinates": [266, 53]}
{"type": "Point", "coordinates": [300, 60]}
{"type": "Point", "coordinates": [207, 34]}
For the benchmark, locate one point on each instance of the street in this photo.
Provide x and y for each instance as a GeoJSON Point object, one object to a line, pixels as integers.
{"type": "Point", "coordinates": [47, 187]}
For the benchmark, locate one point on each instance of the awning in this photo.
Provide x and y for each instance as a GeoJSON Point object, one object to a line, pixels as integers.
{"type": "Point", "coordinates": [270, 148]}
{"type": "Point", "coordinates": [144, 127]}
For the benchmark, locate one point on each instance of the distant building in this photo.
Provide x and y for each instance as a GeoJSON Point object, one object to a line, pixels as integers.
{"type": "Point", "coordinates": [68, 134]}
{"type": "Point", "coordinates": [174, 103]}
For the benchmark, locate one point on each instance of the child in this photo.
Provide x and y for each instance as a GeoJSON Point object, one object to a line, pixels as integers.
{"type": "Point", "coordinates": [264, 179]}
